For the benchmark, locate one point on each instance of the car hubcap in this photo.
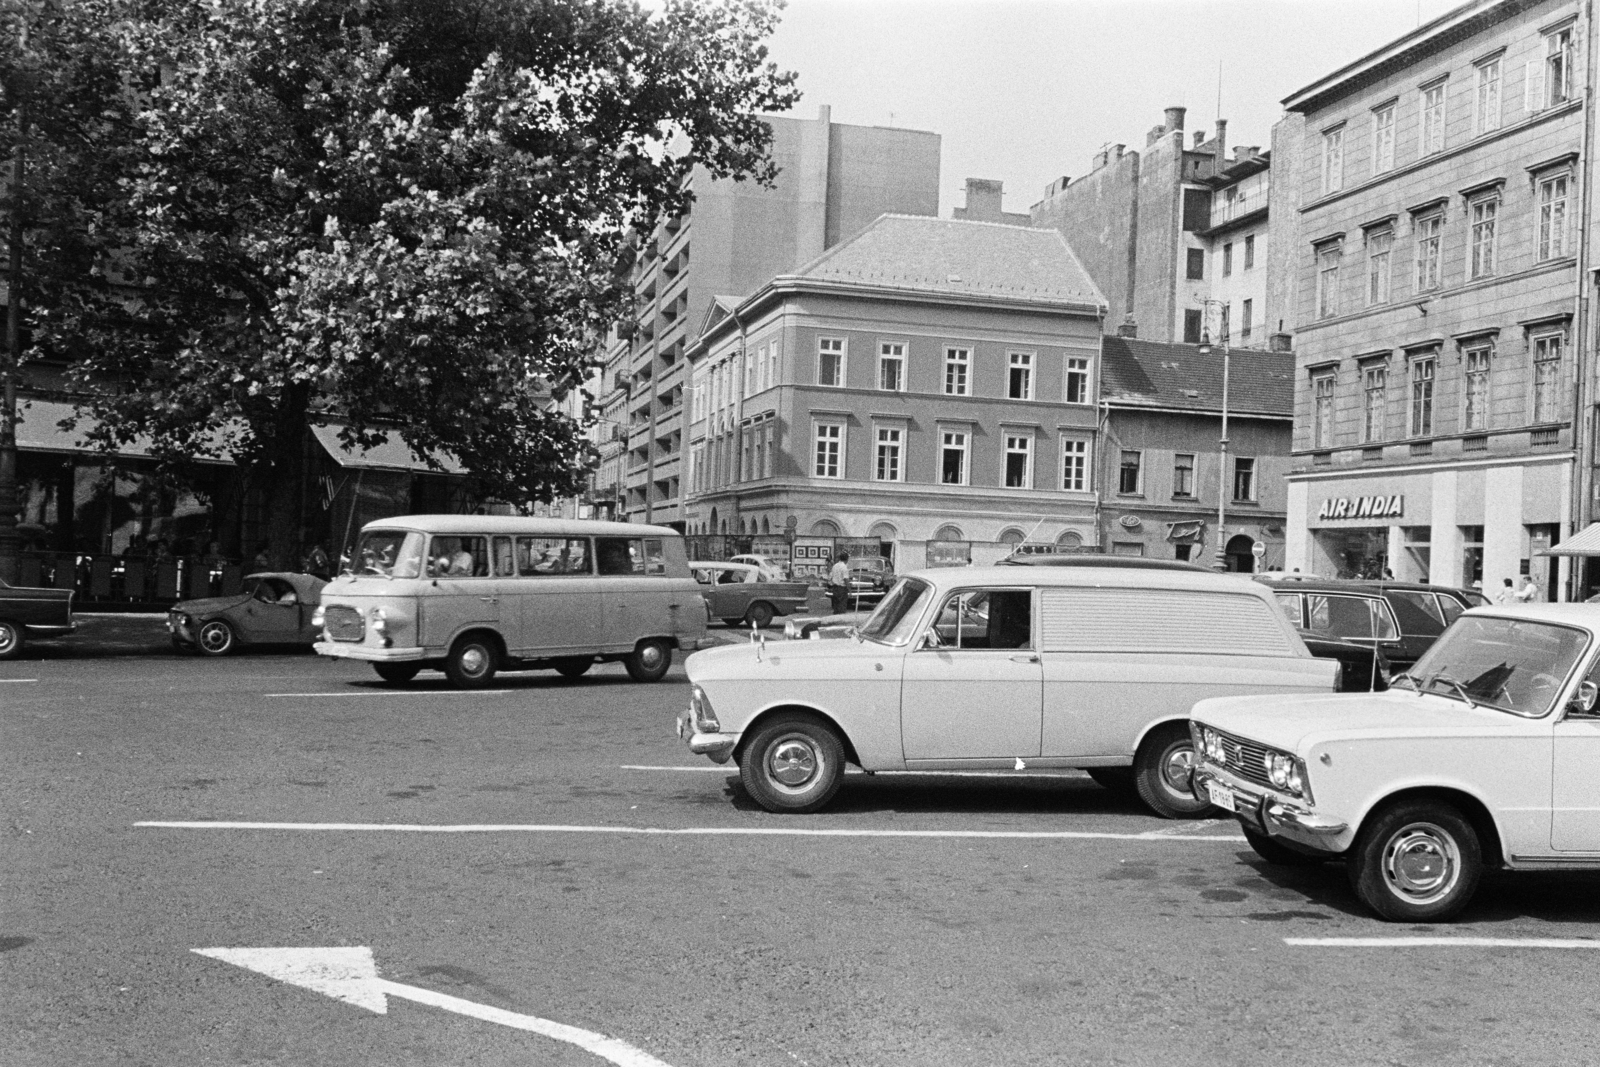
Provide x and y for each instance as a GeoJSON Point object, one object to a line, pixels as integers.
{"type": "Point", "coordinates": [650, 657]}
{"type": "Point", "coordinates": [1421, 863]}
{"type": "Point", "coordinates": [1176, 769]}
{"type": "Point", "coordinates": [793, 762]}
{"type": "Point", "coordinates": [8, 638]}
{"type": "Point", "coordinates": [214, 637]}
{"type": "Point", "coordinates": [474, 658]}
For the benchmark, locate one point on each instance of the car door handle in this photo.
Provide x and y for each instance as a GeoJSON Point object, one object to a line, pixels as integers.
{"type": "Point", "coordinates": [1025, 659]}
{"type": "Point", "coordinates": [490, 599]}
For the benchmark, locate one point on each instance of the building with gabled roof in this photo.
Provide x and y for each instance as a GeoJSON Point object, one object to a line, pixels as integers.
{"type": "Point", "coordinates": [925, 380]}
{"type": "Point", "coordinates": [1162, 466]}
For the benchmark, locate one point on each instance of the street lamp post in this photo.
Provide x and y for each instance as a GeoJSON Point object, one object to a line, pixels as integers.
{"type": "Point", "coordinates": [1221, 560]}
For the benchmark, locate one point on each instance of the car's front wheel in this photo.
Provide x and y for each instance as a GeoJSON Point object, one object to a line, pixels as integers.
{"type": "Point", "coordinates": [472, 662]}
{"type": "Point", "coordinates": [1416, 861]}
{"type": "Point", "coordinates": [1161, 771]}
{"type": "Point", "coordinates": [397, 673]}
{"type": "Point", "coordinates": [1279, 854]}
{"type": "Point", "coordinates": [649, 661]}
{"type": "Point", "coordinates": [216, 638]}
{"type": "Point", "coordinates": [794, 764]}
{"type": "Point", "coordinates": [759, 615]}
{"type": "Point", "coordinates": [11, 640]}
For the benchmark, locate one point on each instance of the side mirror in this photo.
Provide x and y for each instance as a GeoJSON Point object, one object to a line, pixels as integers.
{"type": "Point", "coordinates": [1587, 697]}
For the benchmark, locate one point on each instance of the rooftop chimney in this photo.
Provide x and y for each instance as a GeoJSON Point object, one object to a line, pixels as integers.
{"type": "Point", "coordinates": [1174, 117]}
{"type": "Point", "coordinates": [1222, 141]}
{"type": "Point", "coordinates": [1128, 328]}
{"type": "Point", "coordinates": [1199, 138]}
{"type": "Point", "coordinates": [983, 201]}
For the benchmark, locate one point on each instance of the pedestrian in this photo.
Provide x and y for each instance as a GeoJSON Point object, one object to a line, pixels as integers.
{"type": "Point", "coordinates": [316, 562]}
{"type": "Point", "coordinates": [1529, 592]}
{"type": "Point", "coordinates": [1507, 595]}
{"type": "Point", "coordinates": [839, 583]}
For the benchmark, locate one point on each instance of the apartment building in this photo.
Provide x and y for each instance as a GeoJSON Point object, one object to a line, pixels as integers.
{"type": "Point", "coordinates": [926, 380]}
{"type": "Point", "coordinates": [833, 179]}
{"type": "Point", "coordinates": [1435, 259]}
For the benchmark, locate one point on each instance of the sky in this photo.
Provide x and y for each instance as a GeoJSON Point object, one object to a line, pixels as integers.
{"type": "Point", "coordinates": [1026, 91]}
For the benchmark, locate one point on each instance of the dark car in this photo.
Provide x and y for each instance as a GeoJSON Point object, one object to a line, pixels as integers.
{"type": "Point", "coordinates": [1420, 612]}
{"type": "Point", "coordinates": [276, 608]}
{"type": "Point", "coordinates": [1362, 668]}
{"type": "Point", "coordinates": [27, 612]}
{"type": "Point", "coordinates": [870, 578]}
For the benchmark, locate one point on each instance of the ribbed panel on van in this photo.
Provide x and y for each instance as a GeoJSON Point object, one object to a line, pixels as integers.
{"type": "Point", "coordinates": [1160, 620]}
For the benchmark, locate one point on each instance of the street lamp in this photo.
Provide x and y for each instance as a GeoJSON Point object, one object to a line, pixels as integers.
{"type": "Point", "coordinates": [1221, 562]}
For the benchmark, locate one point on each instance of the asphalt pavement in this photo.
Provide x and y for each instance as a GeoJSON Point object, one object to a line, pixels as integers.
{"type": "Point", "coordinates": [503, 873]}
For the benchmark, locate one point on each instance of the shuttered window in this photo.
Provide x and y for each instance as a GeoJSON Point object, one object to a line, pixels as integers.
{"type": "Point", "coordinates": [1160, 621]}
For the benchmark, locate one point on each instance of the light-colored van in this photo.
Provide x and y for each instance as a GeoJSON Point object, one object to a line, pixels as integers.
{"type": "Point", "coordinates": [475, 594]}
{"type": "Point", "coordinates": [1002, 668]}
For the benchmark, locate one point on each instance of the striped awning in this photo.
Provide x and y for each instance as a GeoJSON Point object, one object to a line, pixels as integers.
{"type": "Point", "coordinates": [1586, 542]}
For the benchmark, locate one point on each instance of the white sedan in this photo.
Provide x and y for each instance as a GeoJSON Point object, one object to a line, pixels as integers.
{"type": "Point", "coordinates": [1486, 754]}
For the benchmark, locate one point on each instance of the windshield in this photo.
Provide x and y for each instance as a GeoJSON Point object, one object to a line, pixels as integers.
{"type": "Point", "coordinates": [391, 553]}
{"type": "Point", "coordinates": [898, 612]}
{"type": "Point", "coordinates": [1513, 665]}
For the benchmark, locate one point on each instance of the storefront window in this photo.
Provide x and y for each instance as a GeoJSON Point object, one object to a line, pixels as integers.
{"type": "Point", "coordinates": [1472, 557]}
{"type": "Point", "coordinates": [1356, 553]}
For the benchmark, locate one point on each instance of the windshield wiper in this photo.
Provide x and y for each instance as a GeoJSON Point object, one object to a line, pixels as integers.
{"type": "Point", "coordinates": [1457, 686]}
{"type": "Point", "coordinates": [1407, 676]}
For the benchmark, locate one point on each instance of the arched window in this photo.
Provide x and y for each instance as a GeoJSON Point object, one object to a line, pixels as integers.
{"type": "Point", "coordinates": [949, 532]}
{"type": "Point", "coordinates": [1011, 536]}
{"type": "Point", "coordinates": [1070, 539]}
{"type": "Point", "coordinates": [766, 527]}
{"type": "Point", "coordinates": [826, 528]}
{"type": "Point", "coordinates": [885, 532]}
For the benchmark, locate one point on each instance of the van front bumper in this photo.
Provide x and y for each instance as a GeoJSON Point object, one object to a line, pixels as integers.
{"type": "Point", "coordinates": [344, 650]}
{"type": "Point", "coordinates": [1274, 816]}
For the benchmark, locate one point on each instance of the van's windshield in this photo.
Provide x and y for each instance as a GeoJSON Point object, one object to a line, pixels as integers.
{"type": "Point", "coordinates": [391, 553]}
{"type": "Point", "coordinates": [898, 612]}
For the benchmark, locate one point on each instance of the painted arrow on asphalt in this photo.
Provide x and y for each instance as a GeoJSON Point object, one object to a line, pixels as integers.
{"type": "Point", "coordinates": [351, 975]}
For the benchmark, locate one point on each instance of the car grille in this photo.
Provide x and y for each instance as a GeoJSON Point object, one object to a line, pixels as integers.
{"type": "Point", "coordinates": [1245, 758]}
{"type": "Point", "coordinates": [344, 624]}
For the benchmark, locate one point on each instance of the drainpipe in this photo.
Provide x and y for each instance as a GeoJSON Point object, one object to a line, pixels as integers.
{"type": "Point", "coordinates": [1583, 429]}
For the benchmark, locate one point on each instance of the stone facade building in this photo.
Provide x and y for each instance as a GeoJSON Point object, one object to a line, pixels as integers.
{"type": "Point", "coordinates": [926, 380]}
{"type": "Point", "coordinates": [1435, 259]}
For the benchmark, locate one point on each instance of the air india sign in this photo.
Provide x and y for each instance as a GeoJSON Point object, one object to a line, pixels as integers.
{"type": "Point", "coordinates": [1363, 507]}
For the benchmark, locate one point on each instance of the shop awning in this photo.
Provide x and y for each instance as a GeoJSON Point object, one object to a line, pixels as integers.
{"type": "Point", "coordinates": [391, 455]}
{"type": "Point", "coordinates": [38, 431]}
{"type": "Point", "coordinates": [1586, 542]}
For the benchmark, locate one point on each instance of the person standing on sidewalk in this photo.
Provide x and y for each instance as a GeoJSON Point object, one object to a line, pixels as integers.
{"type": "Point", "coordinates": [839, 583]}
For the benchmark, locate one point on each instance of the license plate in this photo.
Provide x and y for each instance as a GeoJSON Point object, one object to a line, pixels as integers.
{"type": "Point", "coordinates": [1220, 795]}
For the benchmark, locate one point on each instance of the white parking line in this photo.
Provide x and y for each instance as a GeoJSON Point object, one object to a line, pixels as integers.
{"type": "Point", "coordinates": [1442, 942]}
{"type": "Point", "coordinates": [692, 831]}
{"type": "Point", "coordinates": [732, 769]}
{"type": "Point", "coordinates": [19, 681]}
{"type": "Point", "coordinates": [398, 693]}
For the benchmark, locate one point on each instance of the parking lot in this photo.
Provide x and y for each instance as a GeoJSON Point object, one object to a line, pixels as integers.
{"type": "Point", "coordinates": [547, 851]}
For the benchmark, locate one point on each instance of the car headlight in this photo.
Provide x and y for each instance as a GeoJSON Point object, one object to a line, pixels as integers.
{"type": "Point", "coordinates": [379, 620]}
{"type": "Point", "coordinates": [1211, 746]}
{"type": "Point", "coordinates": [705, 717]}
{"type": "Point", "coordinates": [319, 615]}
{"type": "Point", "coordinates": [1286, 773]}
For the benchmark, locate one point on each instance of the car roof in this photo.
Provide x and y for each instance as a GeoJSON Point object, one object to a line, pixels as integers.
{"type": "Point", "coordinates": [1097, 576]}
{"type": "Point", "coordinates": [1367, 584]}
{"type": "Point", "coordinates": [1584, 615]}
{"type": "Point", "coordinates": [723, 564]}
{"type": "Point", "coordinates": [516, 524]}
{"type": "Point", "coordinates": [1064, 559]}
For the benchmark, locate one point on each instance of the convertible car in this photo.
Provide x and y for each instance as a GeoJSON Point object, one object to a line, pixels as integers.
{"type": "Point", "coordinates": [26, 612]}
{"type": "Point", "coordinates": [274, 609]}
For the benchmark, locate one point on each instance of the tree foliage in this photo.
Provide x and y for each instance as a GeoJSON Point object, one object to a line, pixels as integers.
{"type": "Point", "coordinates": [396, 214]}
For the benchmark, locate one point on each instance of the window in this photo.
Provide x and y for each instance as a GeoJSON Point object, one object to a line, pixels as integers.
{"type": "Point", "coordinates": [1476, 414]}
{"type": "Point", "coordinates": [772, 364]}
{"type": "Point", "coordinates": [768, 437]}
{"type": "Point", "coordinates": [1128, 472]}
{"type": "Point", "coordinates": [1191, 326]}
{"type": "Point", "coordinates": [1379, 244]}
{"type": "Point", "coordinates": [956, 362]}
{"type": "Point", "coordinates": [889, 468]}
{"type": "Point", "coordinates": [1227, 259]}
{"type": "Point", "coordinates": [1484, 214]}
{"type": "Point", "coordinates": [1196, 264]}
{"type": "Point", "coordinates": [953, 458]}
{"type": "Point", "coordinates": [1074, 464]}
{"type": "Point", "coordinates": [1183, 475]}
{"type": "Point", "coordinates": [1383, 138]}
{"type": "Point", "coordinates": [1487, 101]}
{"type": "Point", "coordinates": [1322, 410]}
{"type": "Point", "coordinates": [539, 557]}
{"type": "Point", "coordinates": [892, 366]}
{"type": "Point", "coordinates": [1553, 217]}
{"type": "Point", "coordinates": [458, 557]}
{"type": "Point", "coordinates": [829, 445]}
{"type": "Point", "coordinates": [629, 555]}
{"type": "Point", "coordinates": [1374, 401]}
{"type": "Point", "coordinates": [1249, 251]}
{"type": "Point", "coordinates": [830, 361]}
{"type": "Point", "coordinates": [1422, 396]}
{"type": "Point", "coordinates": [1328, 282]}
{"type": "Point", "coordinates": [1019, 461]}
{"type": "Point", "coordinates": [1019, 383]}
{"type": "Point", "coordinates": [1430, 233]}
{"type": "Point", "coordinates": [1244, 479]}
{"type": "Point", "coordinates": [1558, 67]}
{"type": "Point", "coordinates": [1332, 160]}
{"type": "Point", "coordinates": [1246, 314]}
{"type": "Point", "coordinates": [1432, 124]}
{"type": "Point", "coordinates": [985, 618]}
{"type": "Point", "coordinates": [1077, 381]}
{"type": "Point", "coordinates": [1546, 377]}
{"type": "Point", "coordinates": [1196, 209]}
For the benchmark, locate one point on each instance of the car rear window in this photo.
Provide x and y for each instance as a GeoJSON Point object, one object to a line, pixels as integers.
{"type": "Point", "coordinates": [630, 556]}
{"type": "Point", "coordinates": [1161, 620]}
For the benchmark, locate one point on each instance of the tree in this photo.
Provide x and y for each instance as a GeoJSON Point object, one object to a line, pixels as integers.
{"type": "Point", "coordinates": [410, 216]}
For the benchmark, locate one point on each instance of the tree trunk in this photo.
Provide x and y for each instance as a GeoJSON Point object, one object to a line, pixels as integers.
{"type": "Point", "coordinates": [282, 481]}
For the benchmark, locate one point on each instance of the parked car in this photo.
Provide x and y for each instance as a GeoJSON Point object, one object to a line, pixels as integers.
{"type": "Point", "coordinates": [743, 592]}
{"type": "Point", "coordinates": [274, 608]}
{"type": "Point", "coordinates": [998, 668]}
{"type": "Point", "coordinates": [28, 612]}
{"type": "Point", "coordinates": [1416, 616]}
{"type": "Point", "coordinates": [476, 594]}
{"type": "Point", "coordinates": [870, 578]}
{"type": "Point", "coordinates": [774, 570]}
{"type": "Point", "coordinates": [1486, 754]}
